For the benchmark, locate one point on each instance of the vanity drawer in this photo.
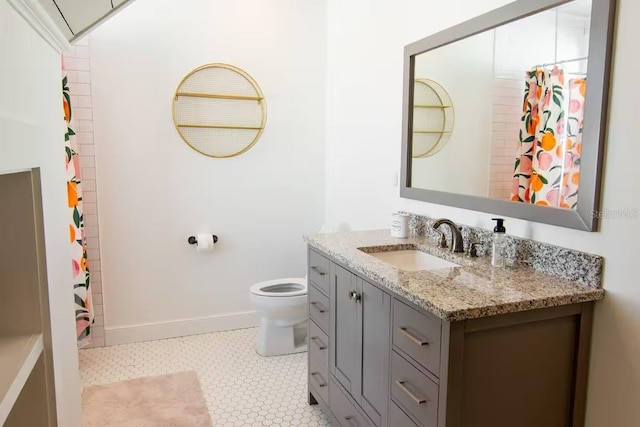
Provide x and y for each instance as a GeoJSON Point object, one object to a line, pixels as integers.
{"type": "Point", "coordinates": [413, 391]}
{"type": "Point", "coordinates": [397, 417]}
{"type": "Point", "coordinates": [345, 410]}
{"type": "Point", "coordinates": [319, 349]}
{"type": "Point", "coordinates": [319, 375]}
{"type": "Point", "coordinates": [418, 335]}
{"type": "Point", "coordinates": [319, 308]}
{"type": "Point", "coordinates": [318, 272]}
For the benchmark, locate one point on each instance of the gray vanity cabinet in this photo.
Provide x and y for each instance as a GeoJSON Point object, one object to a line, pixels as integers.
{"type": "Point", "coordinates": [318, 338]}
{"type": "Point", "coordinates": [345, 354]}
{"type": "Point", "coordinates": [375, 324]}
{"type": "Point", "coordinates": [390, 363]}
{"type": "Point", "coordinates": [360, 340]}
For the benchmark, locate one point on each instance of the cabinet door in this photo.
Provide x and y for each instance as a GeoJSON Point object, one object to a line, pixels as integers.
{"type": "Point", "coordinates": [375, 312]}
{"type": "Point", "coordinates": [345, 342]}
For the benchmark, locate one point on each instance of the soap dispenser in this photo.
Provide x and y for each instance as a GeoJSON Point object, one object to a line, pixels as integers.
{"type": "Point", "coordinates": [497, 252]}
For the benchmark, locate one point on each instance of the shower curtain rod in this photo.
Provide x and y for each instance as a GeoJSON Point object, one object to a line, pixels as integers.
{"type": "Point", "coordinates": [584, 58]}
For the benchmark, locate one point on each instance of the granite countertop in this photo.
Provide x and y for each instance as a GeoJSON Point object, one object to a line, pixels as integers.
{"type": "Point", "coordinates": [475, 289]}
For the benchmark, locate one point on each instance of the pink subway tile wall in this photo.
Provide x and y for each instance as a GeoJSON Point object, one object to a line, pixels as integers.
{"type": "Point", "coordinates": [507, 107]}
{"type": "Point", "coordinates": [77, 63]}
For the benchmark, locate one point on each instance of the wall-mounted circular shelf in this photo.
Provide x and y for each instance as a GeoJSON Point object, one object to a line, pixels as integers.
{"type": "Point", "coordinates": [219, 110]}
{"type": "Point", "coordinates": [433, 118]}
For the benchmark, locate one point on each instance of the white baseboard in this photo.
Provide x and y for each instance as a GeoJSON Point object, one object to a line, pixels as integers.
{"type": "Point", "coordinates": [179, 328]}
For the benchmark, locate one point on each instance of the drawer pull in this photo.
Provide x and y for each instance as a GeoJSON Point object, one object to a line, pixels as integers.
{"type": "Point", "coordinates": [320, 381]}
{"type": "Point", "coordinates": [413, 337]}
{"type": "Point", "coordinates": [354, 296]}
{"type": "Point", "coordinates": [318, 307]}
{"type": "Point", "coordinates": [404, 388]}
{"type": "Point", "coordinates": [317, 270]}
{"type": "Point", "coordinates": [351, 421]}
{"type": "Point", "coordinates": [317, 342]}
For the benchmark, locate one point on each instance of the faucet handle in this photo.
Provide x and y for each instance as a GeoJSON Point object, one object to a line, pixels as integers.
{"type": "Point", "coordinates": [443, 239]}
{"type": "Point", "coordinates": [473, 252]}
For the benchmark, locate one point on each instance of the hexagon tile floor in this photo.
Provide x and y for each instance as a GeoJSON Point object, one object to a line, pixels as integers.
{"type": "Point", "coordinates": [241, 388]}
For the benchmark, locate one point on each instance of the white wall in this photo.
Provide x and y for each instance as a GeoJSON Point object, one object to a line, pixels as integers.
{"type": "Point", "coordinates": [32, 130]}
{"type": "Point", "coordinates": [364, 99]}
{"type": "Point", "coordinates": [154, 191]}
{"type": "Point", "coordinates": [362, 161]}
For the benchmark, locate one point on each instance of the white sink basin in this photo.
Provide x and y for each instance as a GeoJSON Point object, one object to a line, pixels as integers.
{"type": "Point", "coordinates": [413, 260]}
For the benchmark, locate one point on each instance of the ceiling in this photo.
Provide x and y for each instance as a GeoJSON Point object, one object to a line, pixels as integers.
{"type": "Point", "coordinates": [577, 8]}
{"type": "Point", "coordinates": [75, 17]}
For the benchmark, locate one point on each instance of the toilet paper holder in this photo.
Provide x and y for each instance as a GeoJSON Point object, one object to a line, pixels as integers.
{"type": "Point", "coordinates": [193, 241]}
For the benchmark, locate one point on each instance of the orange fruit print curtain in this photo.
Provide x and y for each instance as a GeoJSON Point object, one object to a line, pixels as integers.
{"type": "Point", "coordinates": [79, 262]}
{"type": "Point", "coordinates": [548, 159]}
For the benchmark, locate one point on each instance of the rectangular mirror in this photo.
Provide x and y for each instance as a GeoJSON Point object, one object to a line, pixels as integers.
{"type": "Point", "coordinates": [506, 113]}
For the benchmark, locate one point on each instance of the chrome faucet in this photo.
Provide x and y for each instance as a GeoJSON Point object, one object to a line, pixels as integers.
{"type": "Point", "coordinates": [457, 244]}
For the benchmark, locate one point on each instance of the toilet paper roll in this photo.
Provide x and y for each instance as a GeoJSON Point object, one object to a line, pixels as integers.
{"type": "Point", "coordinates": [205, 243]}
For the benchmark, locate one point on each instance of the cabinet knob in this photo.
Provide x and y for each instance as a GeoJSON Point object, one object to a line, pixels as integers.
{"type": "Point", "coordinates": [354, 296]}
{"type": "Point", "coordinates": [316, 376]}
{"type": "Point", "coordinates": [318, 307]}
{"type": "Point", "coordinates": [351, 421]}
{"type": "Point", "coordinates": [403, 387]}
{"type": "Point", "coordinates": [317, 342]}
{"type": "Point", "coordinates": [317, 270]}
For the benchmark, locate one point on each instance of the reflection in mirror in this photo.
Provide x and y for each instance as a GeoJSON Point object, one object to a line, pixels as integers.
{"type": "Point", "coordinates": [433, 118]}
{"type": "Point", "coordinates": [519, 94]}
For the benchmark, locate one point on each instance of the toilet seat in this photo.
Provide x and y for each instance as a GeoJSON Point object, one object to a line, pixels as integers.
{"type": "Point", "coordinates": [280, 288]}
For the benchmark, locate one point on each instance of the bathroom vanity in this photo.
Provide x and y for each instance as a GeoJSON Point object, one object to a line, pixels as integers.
{"type": "Point", "coordinates": [469, 346]}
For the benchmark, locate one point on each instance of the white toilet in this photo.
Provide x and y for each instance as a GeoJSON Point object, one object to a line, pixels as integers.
{"type": "Point", "coordinates": [282, 309]}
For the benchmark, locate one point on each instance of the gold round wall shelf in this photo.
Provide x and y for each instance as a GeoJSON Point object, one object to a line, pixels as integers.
{"type": "Point", "coordinates": [433, 118]}
{"type": "Point", "coordinates": [219, 110]}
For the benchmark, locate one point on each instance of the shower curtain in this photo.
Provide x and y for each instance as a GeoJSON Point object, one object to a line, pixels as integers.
{"type": "Point", "coordinates": [79, 261]}
{"type": "Point", "coordinates": [547, 163]}
{"type": "Point", "coordinates": [573, 149]}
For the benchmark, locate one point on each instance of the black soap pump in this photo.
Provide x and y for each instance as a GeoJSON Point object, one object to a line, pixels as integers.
{"type": "Point", "coordinates": [497, 251]}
